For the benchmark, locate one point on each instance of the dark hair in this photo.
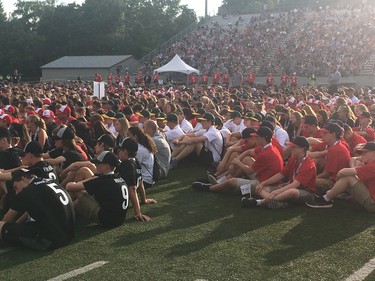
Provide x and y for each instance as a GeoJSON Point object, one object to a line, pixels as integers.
{"type": "Point", "coordinates": [143, 139]}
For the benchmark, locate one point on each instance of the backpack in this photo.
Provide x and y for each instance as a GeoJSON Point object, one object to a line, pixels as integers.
{"type": "Point", "coordinates": [156, 171]}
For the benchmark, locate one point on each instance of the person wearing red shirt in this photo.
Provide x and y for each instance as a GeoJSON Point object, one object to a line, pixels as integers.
{"type": "Point", "coordinates": [266, 164]}
{"type": "Point", "coordinates": [310, 127]}
{"type": "Point", "coordinates": [284, 80]}
{"type": "Point", "coordinates": [127, 79]}
{"type": "Point", "coordinates": [293, 80]}
{"type": "Point", "coordinates": [204, 79]}
{"type": "Point", "coordinates": [216, 78]}
{"type": "Point", "coordinates": [139, 78]}
{"type": "Point", "coordinates": [337, 158]}
{"type": "Point", "coordinates": [270, 80]}
{"type": "Point", "coordinates": [300, 188]}
{"type": "Point", "coordinates": [64, 115]}
{"type": "Point", "coordinates": [156, 78]}
{"type": "Point", "coordinates": [251, 78]}
{"type": "Point", "coordinates": [117, 79]}
{"type": "Point", "coordinates": [193, 79]}
{"type": "Point", "coordinates": [352, 139]}
{"type": "Point", "coordinates": [98, 77]}
{"type": "Point", "coordinates": [226, 78]}
{"type": "Point", "coordinates": [109, 79]}
{"type": "Point", "coordinates": [358, 181]}
{"type": "Point", "coordinates": [364, 129]}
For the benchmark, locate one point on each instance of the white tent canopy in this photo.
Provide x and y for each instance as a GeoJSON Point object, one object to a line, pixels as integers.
{"type": "Point", "coordinates": [177, 65]}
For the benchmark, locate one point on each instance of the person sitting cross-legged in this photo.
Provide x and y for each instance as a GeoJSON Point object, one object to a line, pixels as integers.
{"type": "Point", "coordinates": [300, 188]}
{"type": "Point", "coordinates": [359, 182]}
{"type": "Point", "coordinates": [206, 143]}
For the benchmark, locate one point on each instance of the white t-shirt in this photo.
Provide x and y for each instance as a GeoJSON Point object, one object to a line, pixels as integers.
{"type": "Point", "coordinates": [214, 141]}
{"type": "Point", "coordinates": [281, 135]}
{"type": "Point", "coordinates": [186, 126]}
{"type": "Point", "coordinates": [231, 126]}
{"type": "Point", "coordinates": [173, 134]}
{"type": "Point", "coordinates": [146, 159]}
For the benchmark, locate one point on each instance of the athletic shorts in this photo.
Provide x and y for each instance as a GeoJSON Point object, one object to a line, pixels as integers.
{"type": "Point", "coordinates": [25, 234]}
{"type": "Point", "coordinates": [241, 182]}
{"type": "Point", "coordinates": [360, 194]}
{"type": "Point", "coordinates": [88, 207]}
{"type": "Point", "coordinates": [205, 157]}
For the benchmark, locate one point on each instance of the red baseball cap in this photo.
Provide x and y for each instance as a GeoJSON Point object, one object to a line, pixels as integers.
{"type": "Point", "coordinates": [48, 113]}
{"type": "Point", "coordinates": [65, 109]}
{"type": "Point", "coordinates": [47, 101]}
{"type": "Point", "coordinates": [7, 118]}
{"type": "Point", "coordinates": [10, 109]}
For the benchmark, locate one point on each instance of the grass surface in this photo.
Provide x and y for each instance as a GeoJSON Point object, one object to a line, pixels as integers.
{"type": "Point", "coordinates": [197, 235]}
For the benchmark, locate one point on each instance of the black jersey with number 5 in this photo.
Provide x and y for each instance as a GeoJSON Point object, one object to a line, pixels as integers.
{"type": "Point", "coordinates": [111, 192]}
{"type": "Point", "coordinates": [50, 206]}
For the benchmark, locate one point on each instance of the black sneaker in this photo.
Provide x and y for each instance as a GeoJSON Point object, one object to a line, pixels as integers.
{"type": "Point", "coordinates": [248, 202]}
{"type": "Point", "coordinates": [320, 203]}
{"type": "Point", "coordinates": [201, 186]}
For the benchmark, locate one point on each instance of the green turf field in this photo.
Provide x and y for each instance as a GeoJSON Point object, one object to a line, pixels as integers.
{"type": "Point", "coordinates": [207, 236]}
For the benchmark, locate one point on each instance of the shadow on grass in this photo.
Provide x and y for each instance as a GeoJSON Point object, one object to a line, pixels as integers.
{"type": "Point", "coordinates": [320, 229]}
{"type": "Point", "coordinates": [195, 211]}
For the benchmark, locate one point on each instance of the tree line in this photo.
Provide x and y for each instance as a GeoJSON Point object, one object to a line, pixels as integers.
{"type": "Point", "coordinates": [38, 32]}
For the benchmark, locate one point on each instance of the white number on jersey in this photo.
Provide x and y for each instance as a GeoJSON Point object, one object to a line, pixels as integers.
{"type": "Point", "coordinates": [63, 197]}
{"type": "Point", "coordinates": [125, 195]}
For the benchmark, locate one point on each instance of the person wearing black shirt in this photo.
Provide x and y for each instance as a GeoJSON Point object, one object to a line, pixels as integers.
{"type": "Point", "coordinates": [51, 214]}
{"type": "Point", "coordinates": [102, 198]}
{"type": "Point", "coordinates": [130, 170]}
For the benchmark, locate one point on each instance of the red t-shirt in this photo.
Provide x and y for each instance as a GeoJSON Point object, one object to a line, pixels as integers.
{"type": "Point", "coordinates": [367, 176]}
{"type": "Point", "coordinates": [337, 158]}
{"type": "Point", "coordinates": [370, 133]}
{"type": "Point", "coordinates": [304, 174]}
{"type": "Point", "coordinates": [275, 142]}
{"type": "Point", "coordinates": [267, 163]}
{"type": "Point", "coordinates": [356, 139]}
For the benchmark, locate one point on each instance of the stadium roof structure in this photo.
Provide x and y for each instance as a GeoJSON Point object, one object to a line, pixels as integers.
{"type": "Point", "coordinates": [86, 62]}
{"type": "Point", "coordinates": [177, 65]}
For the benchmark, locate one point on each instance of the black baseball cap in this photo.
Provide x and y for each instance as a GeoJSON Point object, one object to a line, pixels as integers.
{"type": "Point", "coordinates": [300, 141]}
{"type": "Point", "coordinates": [370, 146]}
{"type": "Point", "coordinates": [366, 114]}
{"type": "Point", "coordinates": [171, 117]}
{"type": "Point", "coordinates": [200, 111]}
{"type": "Point", "coordinates": [107, 140]}
{"type": "Point", "coordinates": [263, 132]}
{"type": "Point", "coordinates": [267, 124]}
{"type": "Point", "coordinates": [160, 116]}
{"type": "Point", "coordinates": [257, 117]}
{"type": "Point", "coordinates": [235, 114]}
{"type": "Point", "coordinates": [17, 175]}
{"type": "Point", "coordinates": [109, 115]}
{"type": "Point", "coordinates": [106, 157]}
{"type": "Point", "coordinates": [310, 120]}
{"type": "Point", "coordinates": [65, 133]}
{"type": "Point", "coordinates": [4, 133]}
{"type": "Point", "coordinates": [145, 113]}
{"type": "Point", "coordinates": [247, 133]}
{"type": "Point", "coordinates": [270, 118]}
{"type": "Point", "coordinates": [32, 147]}
{"type": "Point", "coordinates": [248, 114]}
{"type": "Point", "coordinates": [129, 144]}
{"type": "Point", "coordinates": [218, 121]}
{"type": "Point", "coordinates": [207, 117]}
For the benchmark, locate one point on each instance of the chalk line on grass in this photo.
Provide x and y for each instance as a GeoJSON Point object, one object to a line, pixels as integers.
{"type": "Point", "coordinates": [363, 272]}
{"type": "Point", "coordinates": [6, 250]}
{"type": "Point", "coordinates": [78, 271]}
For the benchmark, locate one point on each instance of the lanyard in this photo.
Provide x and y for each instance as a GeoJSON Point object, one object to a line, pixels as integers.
{"type": "Point", "coordinates": [298, 166]}
{"type": "Point", "coordinates": [267, 145]}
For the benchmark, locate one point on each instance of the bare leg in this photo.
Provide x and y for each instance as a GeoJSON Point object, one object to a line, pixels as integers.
{"type": "Point", "coordinates": [341, 186]}
{"type": "Point", "coordinates": [224, 186]}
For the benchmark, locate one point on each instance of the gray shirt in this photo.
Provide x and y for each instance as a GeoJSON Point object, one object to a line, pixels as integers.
{"type": "Point", "coordinates": [164, 153]}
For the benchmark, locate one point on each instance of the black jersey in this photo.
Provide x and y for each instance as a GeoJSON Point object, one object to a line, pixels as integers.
{"type": "Point", "coordinates": [9, 159]}
{"type": "Point", "coordinates": [51, 207]}
{"type": "Point", "coordinates": [44, 170]}
{"type": "Point", "coordinates": [111, 192]}
{"type": "Point", "coordinates": [71, 156]}
{"type": "Point", "coordinates": [131, 171]}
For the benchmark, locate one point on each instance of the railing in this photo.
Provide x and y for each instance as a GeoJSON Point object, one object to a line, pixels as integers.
{"type": "Point", "coordinates": [168, 43]}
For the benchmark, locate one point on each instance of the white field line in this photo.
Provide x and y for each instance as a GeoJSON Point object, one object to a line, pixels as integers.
{"type": "Point", "coordinates": [6, 250]}
{"type": "Point", "coordinates": [78, 271]}
{"type": "Point", "coordinates": [363, 272]}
